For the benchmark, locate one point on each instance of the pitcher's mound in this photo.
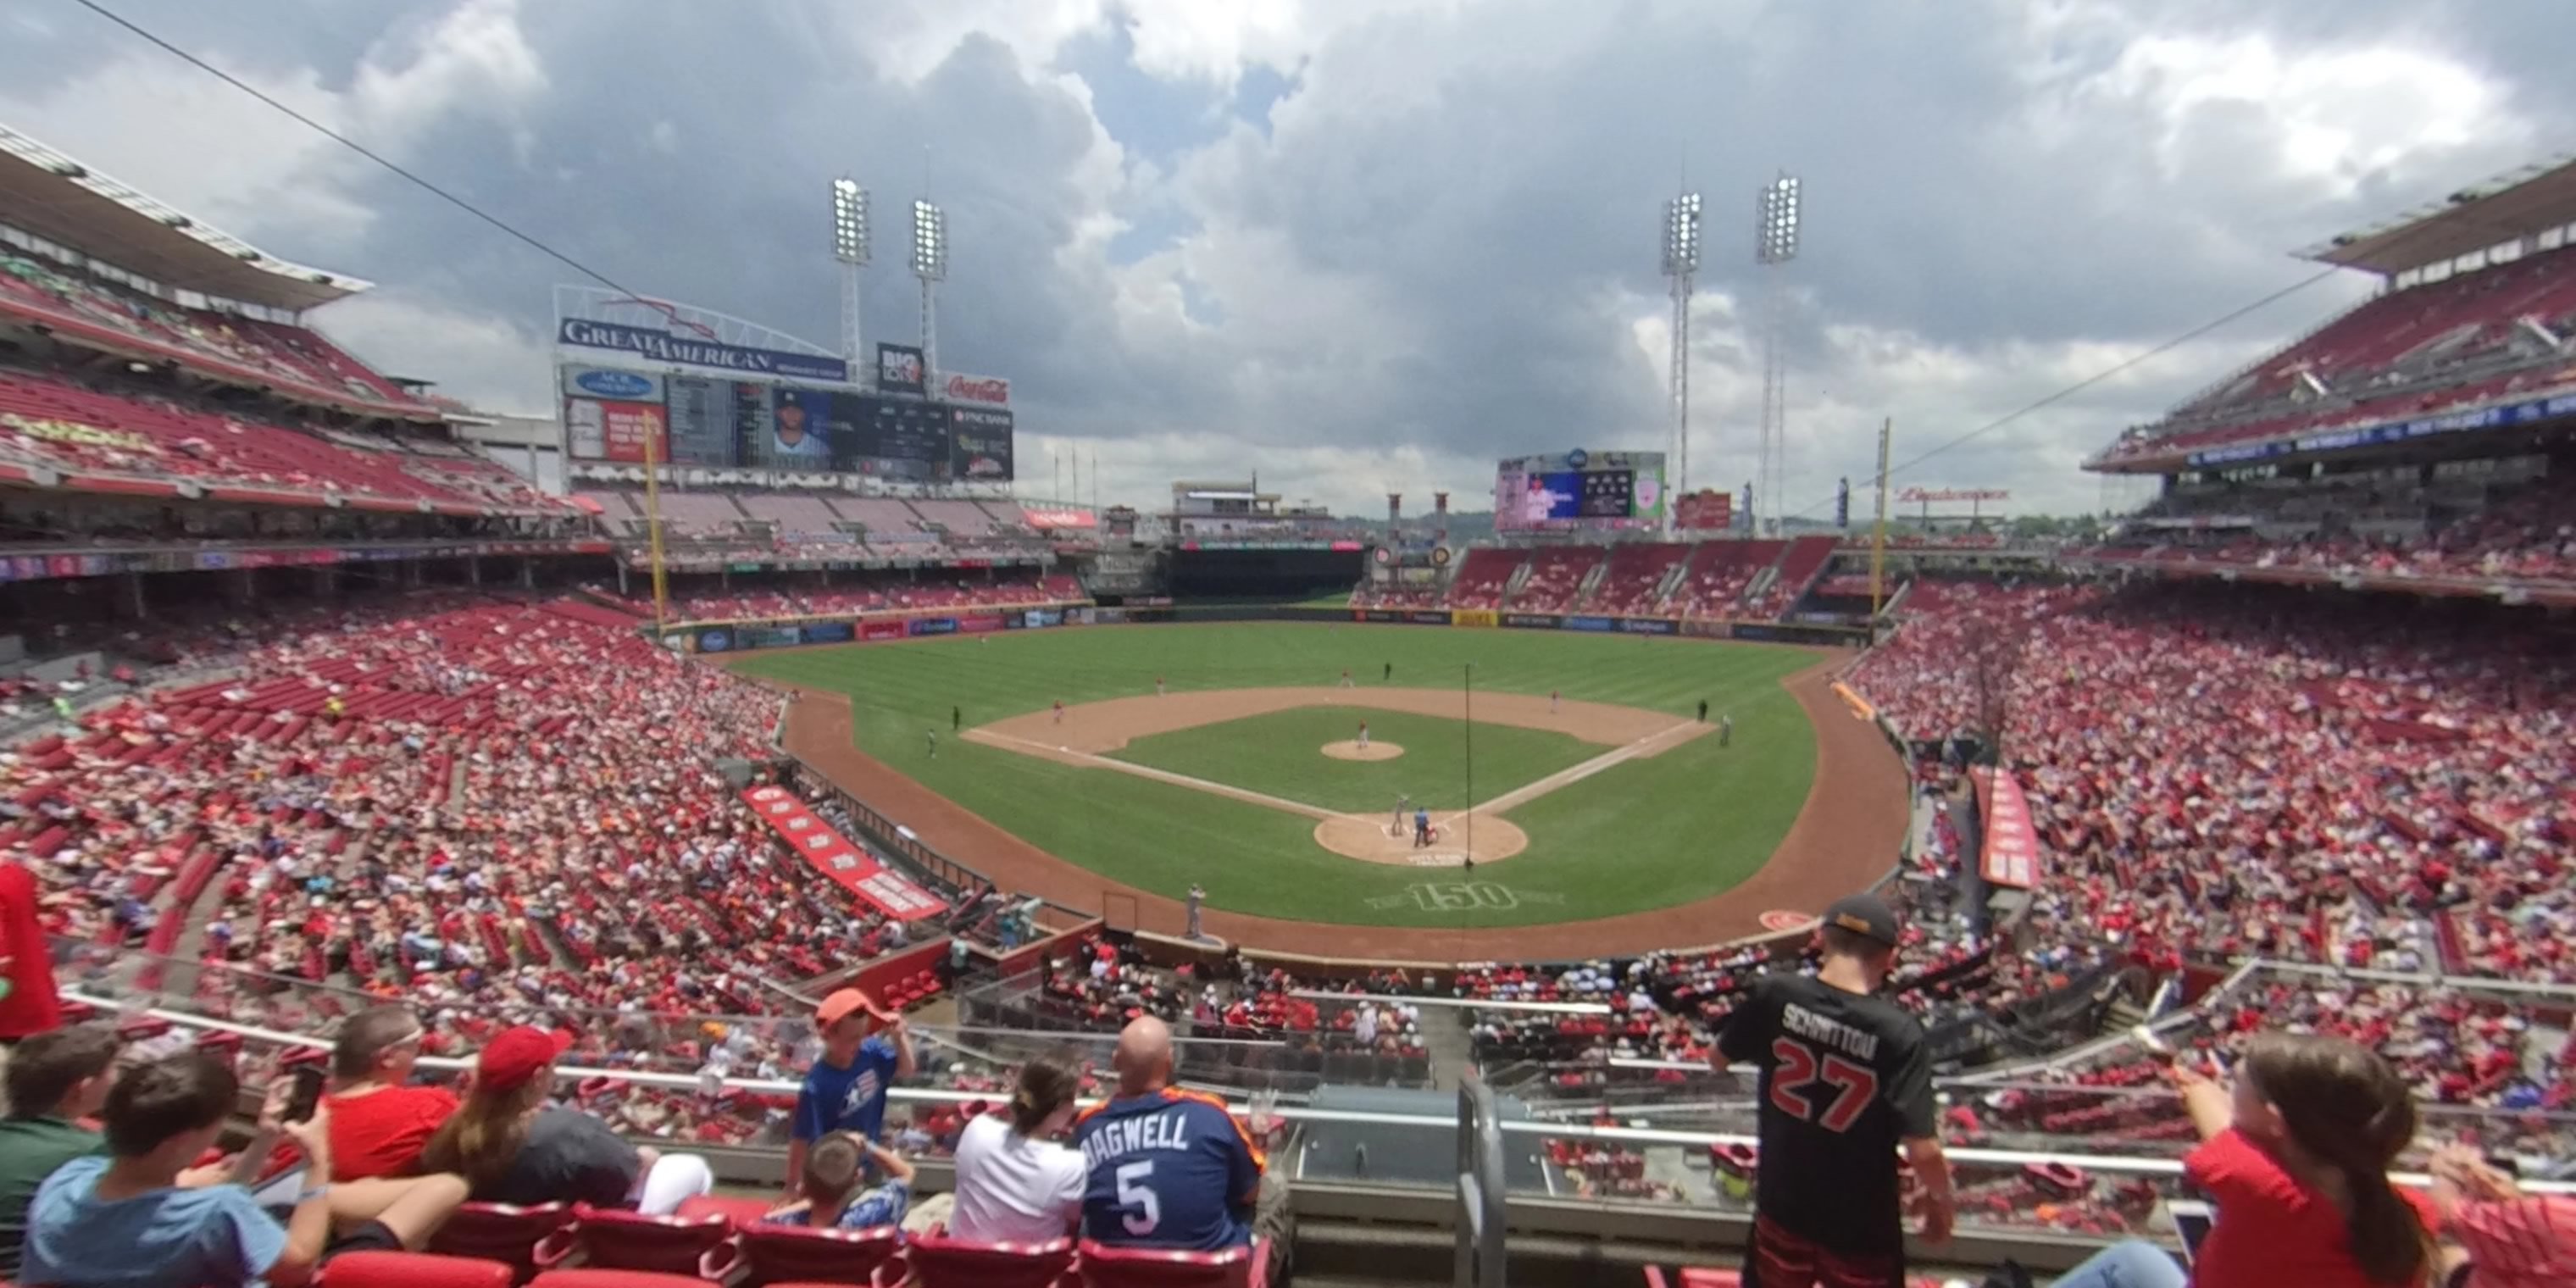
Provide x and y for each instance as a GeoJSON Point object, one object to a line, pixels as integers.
{"type": "Point", "coordinates": [1371, 838]}
{"type": "Point", "coordinates": [1350, 749]}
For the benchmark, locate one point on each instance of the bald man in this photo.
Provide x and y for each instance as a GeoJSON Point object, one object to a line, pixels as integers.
{"type": "Point", "coordinates": [1170, 1168]}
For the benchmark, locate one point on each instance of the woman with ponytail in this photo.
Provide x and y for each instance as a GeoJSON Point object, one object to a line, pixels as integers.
{"type": "Point", "coordinates": [512, 1147]}
{"type": "Point", "coordinates": [1014, 1185]}
{"type": "Point", "coordinates": [2296, 1159]}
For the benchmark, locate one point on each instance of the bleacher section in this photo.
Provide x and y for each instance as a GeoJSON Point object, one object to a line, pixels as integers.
{"type": "Point", "coordinates": [147, 445]}
{"type": "Point", "coordinates": [1556, 577]}
{"type": "Point", "coordinates": [1637, 571]}
{"type": "Point", "coordinates": [889, 521]}
{"type": "Point", "coordinates": [1807, 557]}
{"type": "Point", "coordinates": [295, 359]}
{"type": "Point", "coordinates": [1483, 577]}
{"type": "Point", "coordinates": [1719, 573]}
{"type": "Point", "coordinates": [2465, 340]}
{"type": "Point", "coordinates": [795, 513]}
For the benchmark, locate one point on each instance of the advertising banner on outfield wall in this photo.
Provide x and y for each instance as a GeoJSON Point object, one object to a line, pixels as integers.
{"type": "Point", "coordinates": [979, 625]}
{"type": "Point", "coordinates": [1108, 616]}
{"type": "Point", "coordinates": [1376, 615]}
{"type": "Point", "coordinates": [714, 641]}
{"type": "Point", "coordinates": [932, 626]}
{"type": "Point", "coordinates": [836, 857]}
{"type": "Point", "coordinates": [829, 633]}
{"type": "Point", "coordinates": [767, 637]}
{"type": "Point", "coordinates": [1426, 618]}
{"type": "Point", "coordinates": [1039, 617]}
{"type": "Point", "coordinates": [1587, 623]}
{"type": "Point", "coordinates": [881, 630]}
{"type": "Point", "coordinates": [1474, 617]}
{"type": "Point", "coordinates": [1700, 628]}
{"type": "Point", "coordinates": [1646, 626]}
{"type": "Point", "coordinates": [1530, 621]}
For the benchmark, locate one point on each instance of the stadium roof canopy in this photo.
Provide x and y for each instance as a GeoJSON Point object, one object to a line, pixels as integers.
{"type": "Point", "coordinates": [57, 198]}
{"type": "Point", "coordinates": [2477, 217]}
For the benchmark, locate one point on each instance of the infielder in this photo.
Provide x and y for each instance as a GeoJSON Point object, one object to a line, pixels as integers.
{"type": "Point", "coordinates": [1158, 686]}
{"type": "Point", "coordinates": [1346, 677]}
{"type": "Point", "coordinates": [1363, 730]}
{"type": "Point", "coordinates": [1059, 711]}
{"type": "Point", "coordinates": [1551, 701]}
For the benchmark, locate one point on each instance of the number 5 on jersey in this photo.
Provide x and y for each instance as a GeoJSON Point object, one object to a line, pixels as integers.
{"type": "Point", "coordinates": [1134, 1193]}
{"type": "Point", "coordinates": [1798, 1068]}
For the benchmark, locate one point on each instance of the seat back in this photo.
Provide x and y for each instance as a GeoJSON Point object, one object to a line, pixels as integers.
{"type": "Point", "coordinates": [742, 1212]}
{"type": "Point", "coordinates": [609, 1239]}
{"type": "Point", "coordinates": [1107, 1267]}
{"type": "Point", "coordinates": [942, 1262]}
{"type": "Point", "coordinates": [500, 1232]}
{"type": "Point", "coordinates": [781, 1253]}
{"type": "Point", "coordinates": [591, 1277]}
{"type": "Point", "coordinates": [413, 1270]}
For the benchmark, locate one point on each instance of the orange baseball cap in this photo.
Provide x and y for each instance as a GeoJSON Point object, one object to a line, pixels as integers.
{"type": "Point", "coordinates": [838, 1006]}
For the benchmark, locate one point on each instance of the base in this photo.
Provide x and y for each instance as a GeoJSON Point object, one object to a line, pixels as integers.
{"type": "Point", "coordinates": [1367, 838]}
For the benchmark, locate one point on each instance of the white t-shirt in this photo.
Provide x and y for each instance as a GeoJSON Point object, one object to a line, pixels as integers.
{"type": "Point", "coordinates": [1011, 1189]}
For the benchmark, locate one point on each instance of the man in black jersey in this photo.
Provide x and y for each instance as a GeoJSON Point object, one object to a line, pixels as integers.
{"type": "Point", "coordinates": [1845, 1079]}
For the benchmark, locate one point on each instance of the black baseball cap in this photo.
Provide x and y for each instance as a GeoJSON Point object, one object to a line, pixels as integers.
{"type": "Point", "coordinates": [1865, 915]}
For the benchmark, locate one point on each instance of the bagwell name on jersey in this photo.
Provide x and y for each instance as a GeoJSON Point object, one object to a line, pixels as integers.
{"type": "Point", "coordinates": [1834, 1033]}
{"type": "Point", "coordinates": [1120, 1136]}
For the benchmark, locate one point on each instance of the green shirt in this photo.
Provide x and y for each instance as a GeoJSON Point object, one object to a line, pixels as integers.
{"type": "Point", "coordinates": [30, 1150]}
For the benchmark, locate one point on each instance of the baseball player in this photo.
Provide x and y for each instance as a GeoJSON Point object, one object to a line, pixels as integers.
{"type": "Point", "coordinates": [1364, 735]}
{"type": "Point", "coordinates": [1158, 686]}
{"type": "Point", "coordinates": [931, 737]}
{"type": "Point", "coordinates": [1059, 711]}
{"type": "Point", "coordinates": [1403, 806]}
{"type": "Point", "coordinates": [1346, 677]}
{"type": "Point", "coordinates": [1389, 674]}
{"type": "Point", "coordinates": [1725, 728]}
{"type": "Point", "coordinates": [956, 717]}
{"type": "Point", "coordinates": [1421, 828]}
{"type": "Point", "coordinates": [1552, 697]}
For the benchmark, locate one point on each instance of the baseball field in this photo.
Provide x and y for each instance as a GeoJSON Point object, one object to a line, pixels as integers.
{"type": "Point", "coordinates": [1573, 768]}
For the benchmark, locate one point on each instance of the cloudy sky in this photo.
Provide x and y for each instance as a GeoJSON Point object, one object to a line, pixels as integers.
{"type": "Point", "coordinates": [1361, 245]}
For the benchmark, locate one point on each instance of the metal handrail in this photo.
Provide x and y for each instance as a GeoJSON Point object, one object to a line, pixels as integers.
{"type": "Point", "coordinates": [2106, 1163]}
{"type": "Point", "coordinates": [1481, 1204]}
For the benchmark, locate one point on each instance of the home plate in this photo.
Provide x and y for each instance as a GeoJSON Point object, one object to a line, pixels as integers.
{"type": "Point", "coordinates": [1366, 837]}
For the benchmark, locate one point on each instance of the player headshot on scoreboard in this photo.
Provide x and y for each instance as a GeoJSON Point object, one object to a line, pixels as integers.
{"type": "Point", "coordinates": [798, 433]}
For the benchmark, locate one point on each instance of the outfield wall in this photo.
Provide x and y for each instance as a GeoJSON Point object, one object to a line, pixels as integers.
{"type": "Point", "coordinates": [748, 635]}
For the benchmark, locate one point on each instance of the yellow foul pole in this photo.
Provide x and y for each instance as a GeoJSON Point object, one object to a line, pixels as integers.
{"type": "Point", "coordinates": [653, 526]}
{"type": "Point", "coordinates": [1878, 543]}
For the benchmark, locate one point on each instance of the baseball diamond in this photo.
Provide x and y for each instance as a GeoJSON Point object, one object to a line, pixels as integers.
{"type": "Point", "coordinates": [1611, 812]}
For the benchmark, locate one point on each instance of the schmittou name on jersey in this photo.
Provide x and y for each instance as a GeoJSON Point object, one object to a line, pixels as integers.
{"type": "Point", "coordinates": [1833, 1033]}
{"type": "Point", "coordinates": [1119, 1136]}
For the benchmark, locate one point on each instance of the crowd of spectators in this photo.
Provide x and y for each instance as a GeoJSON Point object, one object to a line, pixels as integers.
{"type": "Point", "coordinates": [446, 807]}
{"type": "Point", "coordinates": [891, 593]}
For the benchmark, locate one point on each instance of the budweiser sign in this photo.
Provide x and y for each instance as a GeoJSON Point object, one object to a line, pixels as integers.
{"type": "Point", "coordinates": [990, 391]}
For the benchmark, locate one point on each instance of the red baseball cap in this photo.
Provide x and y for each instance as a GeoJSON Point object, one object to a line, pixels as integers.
{"type": "Point", "coordinates": [515, 1056]}
{"type": "Point", "coordinates": [838, 1006]}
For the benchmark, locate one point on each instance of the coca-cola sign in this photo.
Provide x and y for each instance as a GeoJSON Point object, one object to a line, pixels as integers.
{"type": "Point", "coordinates": [987, 391]}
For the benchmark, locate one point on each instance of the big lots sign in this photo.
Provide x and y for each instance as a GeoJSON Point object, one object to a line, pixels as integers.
{"type": "Point", "coordinates": [982, 391]}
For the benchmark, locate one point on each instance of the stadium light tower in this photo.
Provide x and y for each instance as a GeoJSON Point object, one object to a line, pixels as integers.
{"type": "Point", "coordinates": [930, 264]}
{"type": "Point", "coordinates": [850, 247]}
{"type": "Point", "coordinates": [1775, 243]}
{"type": "Point", "coordinates": [1681, 269]}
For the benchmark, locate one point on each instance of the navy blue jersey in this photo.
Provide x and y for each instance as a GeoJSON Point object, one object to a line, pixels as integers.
{"type": "Point", "coordinates": [851, 1099]}
{"type": "Point", "coordinates": [1167, 1169]}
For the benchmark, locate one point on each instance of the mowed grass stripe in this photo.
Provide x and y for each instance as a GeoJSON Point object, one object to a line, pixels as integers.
{"type": "Point", "coordinates": [1648, 833]}
{"type": "Point", "coordinates": [1280, 754]}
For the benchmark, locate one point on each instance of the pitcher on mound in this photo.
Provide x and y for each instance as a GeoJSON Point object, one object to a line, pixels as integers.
{"type": "Point", "coordinates": [1363, 737]}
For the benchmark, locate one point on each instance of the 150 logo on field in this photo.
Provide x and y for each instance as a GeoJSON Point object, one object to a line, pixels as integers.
{"type": "Point", "coordinates": [1464, 896]}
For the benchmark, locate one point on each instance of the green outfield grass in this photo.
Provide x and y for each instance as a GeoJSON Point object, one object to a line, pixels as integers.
{"type": "Point", "coordinates": [1279, 754]}
{"type": "Point", "coordinates": [1646, 833]}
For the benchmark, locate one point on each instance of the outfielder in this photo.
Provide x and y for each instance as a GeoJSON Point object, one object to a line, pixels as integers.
{"type": "Point", "coordinates": [931, 737]}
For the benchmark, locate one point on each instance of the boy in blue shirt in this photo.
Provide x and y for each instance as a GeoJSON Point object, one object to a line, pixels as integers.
{"type": "Point", "coordinates": [834, 1199]}
{"type": "Point", "coordinates": [846, 1088]}
{"type": "Point", "coordinates": [125, 1220]}
{"type": "Point", "coordinates": [1168, 1167]}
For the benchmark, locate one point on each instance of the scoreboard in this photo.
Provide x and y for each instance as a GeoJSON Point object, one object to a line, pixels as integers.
{"type": "Point", "coordinates": [620, 415]}
{"type": "Point", "coordinates": [1579, 489]}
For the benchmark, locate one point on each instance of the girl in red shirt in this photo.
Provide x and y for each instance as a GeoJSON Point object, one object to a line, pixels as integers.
{"type": "Point", "coordinates": [2296, 1158]}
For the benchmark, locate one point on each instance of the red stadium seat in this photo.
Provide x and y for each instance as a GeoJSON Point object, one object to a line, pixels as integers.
{"type": "Point", "coordinates": [500, 1232]}
{"type": "Point", "coordinates": [413, 1270]}
{"type": "Point", "coordinates": [742, 1212]}
{"type": "Point", "coordinates": [772, 1254]}
{"type": "Point", "coordinates": [1103, 1266]}
{"type": "Point", "coordinates": [941, 1262]}
{"type": "Point", "coordinates": [596, 1278]}
{"type": "Point", "coordinates": [603, 1238]}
